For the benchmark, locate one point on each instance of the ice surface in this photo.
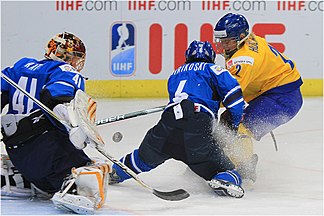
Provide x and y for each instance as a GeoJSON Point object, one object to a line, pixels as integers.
{"type": "Point", "coordinates": [290, 181]}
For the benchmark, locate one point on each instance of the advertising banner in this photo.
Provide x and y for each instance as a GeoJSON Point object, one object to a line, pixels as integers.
{"type": "Point", "coordinates": [133, 46]}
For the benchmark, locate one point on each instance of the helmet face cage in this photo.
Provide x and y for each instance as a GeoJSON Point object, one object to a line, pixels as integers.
{"type": "Point", "coordinates": [231, 27]}
{"type": "Point", "coordinates": [68, 48]}
{"type": "Point", "coordinates": [200, 52]}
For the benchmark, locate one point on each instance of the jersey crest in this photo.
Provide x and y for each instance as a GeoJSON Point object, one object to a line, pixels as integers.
{"type": "Point", "coordinates": [218, 69]}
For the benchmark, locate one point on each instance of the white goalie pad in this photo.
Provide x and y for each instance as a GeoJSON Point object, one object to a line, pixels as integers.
{"type": "Point", "coordinates": [92, 182]}
{"type": "Point", "coordinates": [15, 193]}
{"type": "Point", "coordinates": [8, 191]}
{"type": "Point", "coordinates": [74, 203]}
{"type": "Point", "coordinates": [91, 189]}
{"type": "Point", "coordinates": [18, 190]}
{"type": "Point", "coordinates": [85, 110]}
{"type": "Point", "coordinates": [7, 169]}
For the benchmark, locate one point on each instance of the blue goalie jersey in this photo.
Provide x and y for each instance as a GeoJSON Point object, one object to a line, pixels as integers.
{"type": "Point", "coordinates": [59, 78]}
{"type": "Point", "coordinates": [209, 85]}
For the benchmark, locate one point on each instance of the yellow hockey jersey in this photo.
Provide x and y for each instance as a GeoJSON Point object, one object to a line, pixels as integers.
{"type": "Point", "coordinates": [259, 67]}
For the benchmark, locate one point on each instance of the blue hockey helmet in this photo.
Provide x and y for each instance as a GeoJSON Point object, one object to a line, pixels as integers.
{"type": "Point", "coordinates": [200, 51]}
{"type": "Point", "coordinates": [231, 27]}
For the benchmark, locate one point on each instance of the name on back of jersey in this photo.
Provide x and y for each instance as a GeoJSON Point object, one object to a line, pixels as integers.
{"type": "Point", "coordinates": [196, 66]}
{"type": "Point", "coordinates": [33, 66]}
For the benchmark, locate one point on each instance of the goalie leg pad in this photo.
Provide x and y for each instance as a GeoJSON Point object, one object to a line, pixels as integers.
{"type": "Point", "coordinates": [13, 184]}
{"type": "Point", "coordinates": [92, 181]}
{"type": "Point", "coordinates": [91, 188]}
{"type": "Point", "coordinates": [75, 203]}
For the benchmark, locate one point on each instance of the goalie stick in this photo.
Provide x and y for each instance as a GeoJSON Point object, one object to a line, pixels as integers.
{"type": "Point", "coordinates": [130, 115]}
{"type": "Point", "coordinates": [83, 100]}
{"type": "Point", "coordinates": [175, 195]}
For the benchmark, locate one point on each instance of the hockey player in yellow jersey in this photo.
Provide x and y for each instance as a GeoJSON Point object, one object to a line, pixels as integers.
{"type": "Point", "coordinates": [270, 83]}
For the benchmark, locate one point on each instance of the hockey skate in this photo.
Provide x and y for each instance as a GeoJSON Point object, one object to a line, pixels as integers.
{"type": "Point", "coordinates": [117, 175]}
{"type": "Point", "coordinates": [113, 177]}
{"type": "Point", "coordinates": [227, 184]}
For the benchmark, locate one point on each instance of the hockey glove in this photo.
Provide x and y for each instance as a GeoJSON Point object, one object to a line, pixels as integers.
{"type": "Point", "coordinates": [227, 120]}
{"type": "Point", "coordinates": [77, 136]}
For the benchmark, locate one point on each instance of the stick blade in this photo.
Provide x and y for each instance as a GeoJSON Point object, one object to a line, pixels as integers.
{"type": "Point", "coordinates": [176, 195]}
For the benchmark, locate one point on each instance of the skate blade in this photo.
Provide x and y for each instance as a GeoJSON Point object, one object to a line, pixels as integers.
{"type": "Point", "coordinates": [229, 188]}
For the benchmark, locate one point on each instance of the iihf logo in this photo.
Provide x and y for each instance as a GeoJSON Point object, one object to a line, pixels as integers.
{"type": "Point", "coordinates": [122, 54]}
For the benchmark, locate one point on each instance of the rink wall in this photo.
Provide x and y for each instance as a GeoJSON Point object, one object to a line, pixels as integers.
{"type": "Point", "coordinates": [133, 46]}
{"type": "Point", "coordinates": [157, 88]}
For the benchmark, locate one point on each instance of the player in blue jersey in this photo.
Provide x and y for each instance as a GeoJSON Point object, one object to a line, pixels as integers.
{"type": "Point", "coordinates": [184, 131]}
{"type": "Point", "coordinates": [40, 148]}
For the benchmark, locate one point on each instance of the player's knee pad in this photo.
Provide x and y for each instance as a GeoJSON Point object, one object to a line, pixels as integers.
{"type": "Point", "coordinates": [245, 139]}
{"type": "Point", "coordinates": [242, 148]}
{"type": "Point", "coordinates": [242, 130]}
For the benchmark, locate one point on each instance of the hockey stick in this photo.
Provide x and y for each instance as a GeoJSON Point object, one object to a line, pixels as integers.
{"type": "Point", "coordinates": [130, 115]}
{"type": "Point", "coordinates": [171, 196]}
{"type": "Point", "coordinates": [175, 195]}
{"type": "Point", "coordinates": [82, 100]}
{"type": "Point", "coordinates": [274, 140]}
